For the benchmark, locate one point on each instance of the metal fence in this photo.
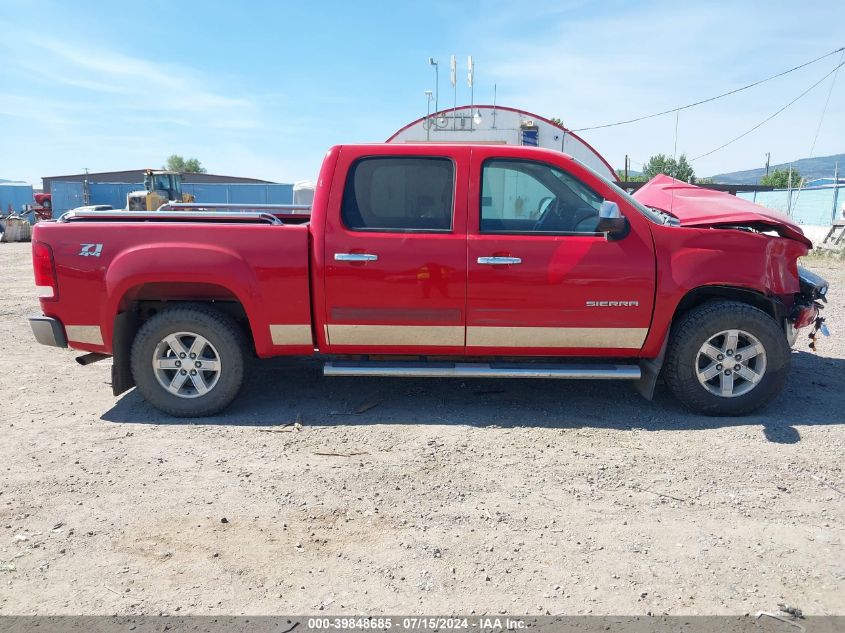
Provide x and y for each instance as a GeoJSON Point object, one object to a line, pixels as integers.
{"type": "Point", "coordinates": [817, 206]}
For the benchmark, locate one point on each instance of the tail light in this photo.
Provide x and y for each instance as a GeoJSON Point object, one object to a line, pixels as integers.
{"type": "Point", "coordinates": [44, 267]}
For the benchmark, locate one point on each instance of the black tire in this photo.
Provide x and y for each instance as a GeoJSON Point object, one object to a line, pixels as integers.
{"type": "Point", "coordinates": [220, 331]}
{"type": "Point", "coordinates": [698, 326]}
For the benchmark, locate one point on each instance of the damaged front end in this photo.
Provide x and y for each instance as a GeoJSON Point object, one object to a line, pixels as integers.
{"type": "Point", "coordinates": [806, 311]}
{"type": "Point", "coordinates": [762, 246]}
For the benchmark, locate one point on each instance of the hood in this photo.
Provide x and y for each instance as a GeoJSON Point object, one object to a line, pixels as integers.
{"type": "Point", "coordinates": [696, 206]}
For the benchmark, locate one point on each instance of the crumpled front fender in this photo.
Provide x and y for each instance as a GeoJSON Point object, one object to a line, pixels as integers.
{"type": "Point", "coordinates": [692, 258]}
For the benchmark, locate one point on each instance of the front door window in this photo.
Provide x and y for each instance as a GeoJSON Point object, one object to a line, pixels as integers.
{"type": "Point", "coordinates": [520, 196]}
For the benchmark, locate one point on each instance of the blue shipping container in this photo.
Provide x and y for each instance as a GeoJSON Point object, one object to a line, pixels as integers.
{"type": "Point", "coordinates": [13, 197]}
{"type": "Point", "coordinates": [66, 196]}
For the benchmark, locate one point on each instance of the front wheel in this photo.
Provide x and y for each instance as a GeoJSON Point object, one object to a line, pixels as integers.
{"type": "Point", "coordinates": [189, 361]}
{"type": "Point", "coordinates": [726, 358]}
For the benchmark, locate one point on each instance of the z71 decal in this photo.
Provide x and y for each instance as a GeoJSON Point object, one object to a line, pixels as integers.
{"type": "Point", "coordinates": [90, 250]}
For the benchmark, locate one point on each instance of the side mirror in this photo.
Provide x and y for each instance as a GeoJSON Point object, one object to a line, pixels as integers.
{"type": "Point", "coordinates": [612, 223]}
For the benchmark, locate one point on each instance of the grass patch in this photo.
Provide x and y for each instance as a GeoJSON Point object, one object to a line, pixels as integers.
{"type": "Point", "coordinates": [825, 256]}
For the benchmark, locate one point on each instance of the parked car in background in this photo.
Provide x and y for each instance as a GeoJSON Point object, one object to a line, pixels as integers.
{"type": "Point", "coordinates": [44, 200]}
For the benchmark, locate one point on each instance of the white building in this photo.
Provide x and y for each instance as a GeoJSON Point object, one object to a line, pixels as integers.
{"type": "Point", "coordinates": [502, 125]}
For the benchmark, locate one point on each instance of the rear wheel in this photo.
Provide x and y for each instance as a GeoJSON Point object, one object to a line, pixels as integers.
{"type": "Point", "coordinates": [726, 358]}
{"type": "Point", "coordinates": [189, 361]}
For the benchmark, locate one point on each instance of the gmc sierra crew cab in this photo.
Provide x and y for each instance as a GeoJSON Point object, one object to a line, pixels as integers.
{"type": "Point", "coordinates": [438, 260]}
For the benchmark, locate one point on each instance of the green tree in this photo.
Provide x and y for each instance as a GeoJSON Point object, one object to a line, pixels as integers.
{"type": "Point", "coordinates": [779, 179]}
{"type": "Point", "coordinates": [191, 165]}
{"type": "Point", "coordinates": [556, 121]}
{"type": "Point", "coordinates": [679, 169]}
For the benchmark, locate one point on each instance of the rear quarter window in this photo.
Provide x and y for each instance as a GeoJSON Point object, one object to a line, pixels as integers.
{"type": "Point", "coordinates": [399, 194]}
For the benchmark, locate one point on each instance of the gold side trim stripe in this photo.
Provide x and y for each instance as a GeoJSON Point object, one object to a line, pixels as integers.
{"type": "Point", "coordinates": [291, 334]}
{"type": "Point", "coordinates": [621, 337]}
{"type": "Point", "coordinates": [410, 335]}
{"type": "Point", "coordinates": [90, 334]}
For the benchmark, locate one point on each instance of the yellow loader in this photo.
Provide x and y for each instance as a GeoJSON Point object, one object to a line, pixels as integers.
{"type": "Point", "coordinates": [160, 187]}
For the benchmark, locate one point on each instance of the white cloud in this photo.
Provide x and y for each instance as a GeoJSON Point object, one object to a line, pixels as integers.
{"type": "Point", "coordinates": [125, 82]}
{"type": "Point", "coordinates": [93, 105]}
{"type": "Point", "coordinates": [591, 68]}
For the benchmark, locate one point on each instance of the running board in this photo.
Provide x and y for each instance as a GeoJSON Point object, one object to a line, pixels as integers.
{"type": "Point", "coordinates": [576, 371]}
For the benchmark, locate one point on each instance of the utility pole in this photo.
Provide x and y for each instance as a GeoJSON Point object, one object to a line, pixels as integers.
{"type": "Point", "coordinates": [86, 190]}
{"type": "Point", "coordinates": [494, 106]}
{"type": "Point", "coordinates": [436, 64]}
{"type": "Point", "coordinates": [453, 65]}
{"type": "Point", "coordinates": [835, 192]}
{"type": "Point", "coordinates": [789, 191]}
{"type": "Point", "coordinates": [428, 116]}
{"type": "Point", "coordinates": [626, 168]}
{"type": "Point", "coordinates": [470, 82]}
{"type": "Point", "coordinates": [768, 157]}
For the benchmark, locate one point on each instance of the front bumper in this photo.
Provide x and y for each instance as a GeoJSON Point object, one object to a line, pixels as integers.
{"type": "Point", "coordinates": [48, 331]}
{"type": "Point", "coordinates": [809, 302]}
{"type": "Point", "coordinates": [812, 286]}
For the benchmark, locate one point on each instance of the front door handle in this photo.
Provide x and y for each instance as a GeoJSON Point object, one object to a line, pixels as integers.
{"type": "Point", "coordinates": [499, 261]}
{"type": "Point", "coordinates": [355, 257]}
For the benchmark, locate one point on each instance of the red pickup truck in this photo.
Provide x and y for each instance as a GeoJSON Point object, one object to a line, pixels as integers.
{"type": "Point", "coordinates": [438, 260]}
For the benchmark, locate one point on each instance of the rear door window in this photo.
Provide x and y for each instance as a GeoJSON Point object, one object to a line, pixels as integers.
{"type": "Point", "coordinates": [399, 194]}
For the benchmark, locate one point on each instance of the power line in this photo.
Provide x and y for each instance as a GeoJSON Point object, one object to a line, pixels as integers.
{"type": "Point", "coordinates": [821, 120]}
{"type": "Point", "coordinates": [709, 99]}
{"type": "Point", "coordinates": [769, 118]}
{"type": "Point", "coordinates": [826, 103]}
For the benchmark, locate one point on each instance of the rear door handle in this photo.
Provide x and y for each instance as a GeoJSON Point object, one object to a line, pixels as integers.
{"type": "Point", "coordinates": [499, 261]}
{"type": "Point", "coordinates": [355, 257]}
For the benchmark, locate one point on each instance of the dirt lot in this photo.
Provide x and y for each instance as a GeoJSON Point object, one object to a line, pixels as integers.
{"type": "Point", "coordinates": [413, 496]}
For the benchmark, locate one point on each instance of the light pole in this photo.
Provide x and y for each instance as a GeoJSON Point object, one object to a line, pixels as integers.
{"type": "Point", "coordinates": [428, 116]}
{"type": "Point", "coordinates": [433, 62]}
{"type": "Point", "coordinates": [453, 76]}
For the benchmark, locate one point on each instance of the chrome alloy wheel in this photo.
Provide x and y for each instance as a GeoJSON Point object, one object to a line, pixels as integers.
{"type": "Point", "coordinates": [731, 363]}
{"type": "Point", "coordinates": [186, 364]}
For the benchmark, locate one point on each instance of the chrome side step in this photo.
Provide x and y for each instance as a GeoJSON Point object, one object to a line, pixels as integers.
{"type": "Point", "coordinates": [576, 371]}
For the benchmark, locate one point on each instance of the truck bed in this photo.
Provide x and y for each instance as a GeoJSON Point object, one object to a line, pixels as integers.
{"type": "Point", "coordinates": [250, 258]}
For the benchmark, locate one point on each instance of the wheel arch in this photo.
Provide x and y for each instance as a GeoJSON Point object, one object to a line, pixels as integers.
{"type": "Point", "coordinates": [697, 296]}
{"type": "Point", "coordinates": [174, 272]}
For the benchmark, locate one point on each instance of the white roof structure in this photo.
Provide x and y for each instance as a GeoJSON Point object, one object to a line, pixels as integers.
{"type": "Point", "coordinates": [303, 191]}
{"type": "Point", "coordinates": [487, 124]}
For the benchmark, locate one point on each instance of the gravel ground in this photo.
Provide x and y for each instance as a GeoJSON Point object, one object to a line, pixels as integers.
{"type": "Point", "coordinates": [414, 496]}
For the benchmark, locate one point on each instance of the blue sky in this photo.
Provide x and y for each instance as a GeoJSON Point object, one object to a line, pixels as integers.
{"type": "Point", "coordinates": [264, 88]}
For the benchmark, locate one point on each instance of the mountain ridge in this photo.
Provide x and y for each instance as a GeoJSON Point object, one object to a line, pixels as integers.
{"type": "Point", "coordinates": [809, 168]}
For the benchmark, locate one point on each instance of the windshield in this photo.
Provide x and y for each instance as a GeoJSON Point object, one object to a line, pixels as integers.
{"type": "Point", "coordinates": [655, 215]}
{"type": "Point", "coordinates": [168, 183]}
{"type": "Point", "coordinates": [161, 182]}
